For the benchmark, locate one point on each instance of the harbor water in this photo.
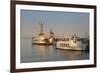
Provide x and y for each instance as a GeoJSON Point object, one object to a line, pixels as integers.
{"type": "Point", "coordinates": [44, 53]}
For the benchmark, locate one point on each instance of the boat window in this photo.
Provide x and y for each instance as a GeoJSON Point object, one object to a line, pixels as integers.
{"type": "Point", "coordinates": [61, 44]}
{"type": "Point", "coordinates": [66, 44]}
{"type": "Point", "coordinates": [67, 39]}
{"type": "Point", "coordinates": [74, 41]}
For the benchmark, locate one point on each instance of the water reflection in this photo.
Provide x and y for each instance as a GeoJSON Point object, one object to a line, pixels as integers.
{"type": "Point", "coordinates": [40, 53]}
{"type": "Point", "coordinates": [50, 53]}
{"type": "Point", "coordinates": [70, 55]}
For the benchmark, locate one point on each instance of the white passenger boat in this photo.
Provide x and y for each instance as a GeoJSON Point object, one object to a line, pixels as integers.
{"type": "Point", "coordinates": [72, 44]}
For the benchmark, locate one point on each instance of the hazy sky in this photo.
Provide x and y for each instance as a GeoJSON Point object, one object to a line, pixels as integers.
{"type": "Point", "coordinates": [62, 23]}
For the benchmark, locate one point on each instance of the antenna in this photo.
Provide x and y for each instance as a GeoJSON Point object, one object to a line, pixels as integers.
{"type": "Point", "coordinates": [41, 26]}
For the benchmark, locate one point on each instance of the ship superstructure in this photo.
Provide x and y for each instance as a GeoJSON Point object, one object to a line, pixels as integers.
{"type": "Point", "coordinates": [42, 39]}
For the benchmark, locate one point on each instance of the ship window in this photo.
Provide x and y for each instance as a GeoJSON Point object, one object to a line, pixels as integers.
{"type": "Point", "coordinates": [66, 44]}
{"type": "Point", "coordinates": [67, 39]}
{"type": "Point", "coordinates": [61, 44]}
{"type": "Point", "coordinates": [74, 41]}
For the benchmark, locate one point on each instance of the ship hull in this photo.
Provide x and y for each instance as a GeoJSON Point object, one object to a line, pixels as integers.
{"type": "Point", "coordinates": [43, 43]}
{"type": "Point", "coordinates": [76, 49]}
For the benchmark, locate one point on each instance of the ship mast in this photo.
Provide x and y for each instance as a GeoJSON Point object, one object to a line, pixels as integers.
{"type": "Point", "coordinates": [41, 27]}
{"type": "Point", "coordinates": [41, 34]}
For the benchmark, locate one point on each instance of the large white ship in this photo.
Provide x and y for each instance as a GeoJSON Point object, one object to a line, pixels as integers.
{"type": "Point", "coordinates": [73, 43]}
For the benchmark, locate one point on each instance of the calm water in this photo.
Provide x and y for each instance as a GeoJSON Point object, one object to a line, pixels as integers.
{"type": "Point", "coordinates": [40, 53]}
